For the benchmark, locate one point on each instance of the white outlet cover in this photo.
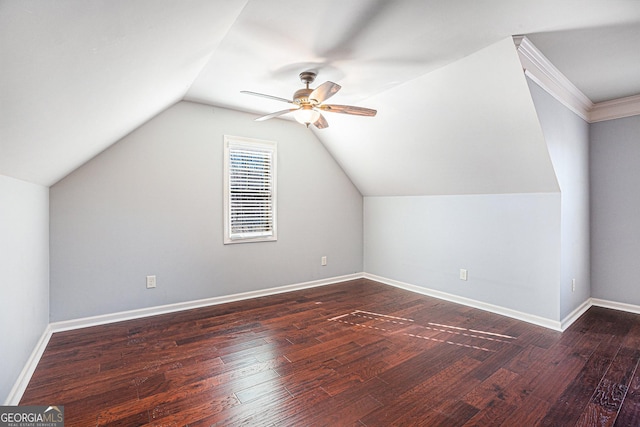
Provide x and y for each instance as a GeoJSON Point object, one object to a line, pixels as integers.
{"type": "Point", "coordinates": [151, 282]}
{"type": "Point", "coordinates": [463, 274]}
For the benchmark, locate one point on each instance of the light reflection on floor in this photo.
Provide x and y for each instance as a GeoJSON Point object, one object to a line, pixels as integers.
{"type": "Point", "coordinates": [448, 334]}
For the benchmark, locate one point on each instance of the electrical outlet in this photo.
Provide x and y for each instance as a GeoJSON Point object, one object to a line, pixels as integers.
{"type": "Point", "coordinates": [151, 282]}
{"type": "Point", "coordinates": [573, 285]}
{"type": "Point", "coordinates": [463, 274]}
{"type": "Point", "coordinates": [323, 261]}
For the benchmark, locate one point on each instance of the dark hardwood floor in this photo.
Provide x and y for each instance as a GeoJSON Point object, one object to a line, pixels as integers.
{"type": "Point", "coordinates": [353, 354]}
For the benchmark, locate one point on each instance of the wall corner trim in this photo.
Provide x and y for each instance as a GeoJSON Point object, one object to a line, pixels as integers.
{"type": "Point", "coordinates": [539, 69]}
{"type": "Point", "coordinates": [575, 314]}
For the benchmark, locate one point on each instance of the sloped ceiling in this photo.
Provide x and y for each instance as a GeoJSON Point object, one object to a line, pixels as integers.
{"type": "Point", "coordinates": [78, 75]}
{"type": "Point", "coordinates": [476, 133]}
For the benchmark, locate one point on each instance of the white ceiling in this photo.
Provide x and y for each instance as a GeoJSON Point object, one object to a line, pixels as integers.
{"type": "Point", "coordinates": [603, 62]}
{"type": "Point", "coordinates": [78, 75]}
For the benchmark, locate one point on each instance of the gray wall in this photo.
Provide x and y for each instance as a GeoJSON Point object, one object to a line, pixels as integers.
{"type": "Point", "coordinates": [509, 243]}
{"type": "Point", "coordinates": [567, 137]}
{"type": "Point", "coordinates": [521, 250]}
{"type": "Point", "coordinates": [24, 274]}
{"type": "Point", "coordinates": [615, 210]}
{"type": "Point", "coordinates": [152, 205]}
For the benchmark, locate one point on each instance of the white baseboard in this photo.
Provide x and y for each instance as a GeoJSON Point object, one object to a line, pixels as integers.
{"type": "Point", "coordinates": [104, 319]}
{"type": "Point", "coordinates": [575, 314]}
{"type": "Point", "coordinates": [25, 376]}
{"type": "Point", "coordinates": [596, 302]}
{"type": "Point", "coordinates": [525, 317]}
{"type": "Point", "coordinates": [621, 306]}
{"type": "Point", "coordinates": [514, 314]}
{"type": "Point", "coordinates": [13, 399]}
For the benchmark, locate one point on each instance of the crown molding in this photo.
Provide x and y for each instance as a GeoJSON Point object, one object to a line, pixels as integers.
{"type": "Point", "coordinates": [539, 69]}
{"type": "Point", "coordinates": [615, 109]}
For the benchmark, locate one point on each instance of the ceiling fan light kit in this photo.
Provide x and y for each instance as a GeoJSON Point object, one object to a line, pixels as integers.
{"type": "Point", "coordinates": [308, 103]}
{"type": "Point", "coordinates": [306, 115]}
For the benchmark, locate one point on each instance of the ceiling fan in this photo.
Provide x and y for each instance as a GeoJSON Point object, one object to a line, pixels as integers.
{"type": "Point", "coordinates": [308, 103]}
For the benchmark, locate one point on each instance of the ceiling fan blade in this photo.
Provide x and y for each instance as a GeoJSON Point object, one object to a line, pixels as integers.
{"type": "Point", "coordinates": [348, 109]}
{"type": "Point", "coordinates": [325, 91]}
{"type": "Point", "coordinates": [277, 98]}
{"type": "Point", "coordinates": [321, 123]}
{"type": "Point", "coordinates": [276, 114]}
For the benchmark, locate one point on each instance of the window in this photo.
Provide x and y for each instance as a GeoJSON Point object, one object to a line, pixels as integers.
{"type": "Point", "coordinates": [249, 190]}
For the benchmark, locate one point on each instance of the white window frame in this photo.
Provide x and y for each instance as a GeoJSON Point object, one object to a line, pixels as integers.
{"type": "Point", "coordinates": [265, 148]}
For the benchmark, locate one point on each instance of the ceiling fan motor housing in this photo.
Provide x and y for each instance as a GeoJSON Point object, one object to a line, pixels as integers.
{"type": "Point", "coordinates": [301, 96]}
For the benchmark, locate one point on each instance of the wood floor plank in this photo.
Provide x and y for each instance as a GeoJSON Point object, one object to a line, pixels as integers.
{"type": "Point", "coordinates": [629, 414]}
{"type": "Point", "coordinates": [551, 383]}
{"type": "Point", "coordinates": [573, 401]}
{"type": "Point", "coordinates": [490, 389]}
{"type": "Point", "coordinates": [323, 413]}
{"type": "Point", "coordinates": [526, 359]}
{"type": "Point", "coordinates": [430, 394]}
{"type": "Point", "coordinates": [354, 353]}
{"type": "Point", "coordinates": [188, 410]}
{"type": "Point", "coordinates": [607, 398]}
{"type": "Point", "coordinates": [493, 414]}
{"type": "Point", "coordinates": [260, 411]}
{"type": "Point", "coordinates": [410, 373]}
{"type": "Point", "coordinates": [347, 414]}
{"type": "Point", "coordinates": [455, 413]}
{"type": "Point", "coordinates": [530, 414]}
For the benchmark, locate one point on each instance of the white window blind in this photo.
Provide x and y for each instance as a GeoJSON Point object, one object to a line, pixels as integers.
{"type": "Point", "coordinates": [250, 190]}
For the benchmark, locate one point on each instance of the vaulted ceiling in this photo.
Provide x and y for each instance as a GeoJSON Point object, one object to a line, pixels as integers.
{"type": "Point", "coordinates": [78, 75]}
